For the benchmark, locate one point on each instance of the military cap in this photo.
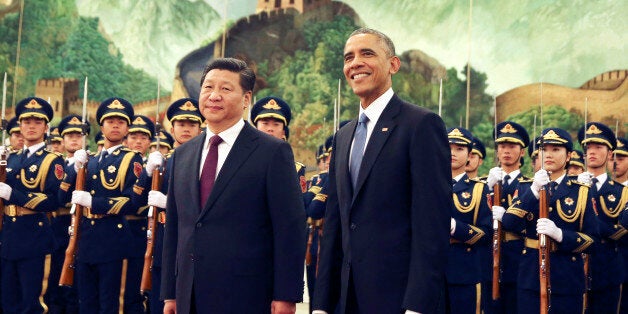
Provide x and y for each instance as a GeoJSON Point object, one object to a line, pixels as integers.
{"type": "Point", "coordinates": [73, 123]}
{"type": "Point", "coordinates": [271, 107]}
{"type": "Point", "coordinates": [114, 107]}
{"type": "Point", "coordinates": [54, 134]}
{"type": "Point", "coordinates": [576, 158]}
{"type": "Point", "coordinates": [460, 136]}
{"type": "Point", "coordinates": [165, 139]}
{"type": "Point", "coordinates": [556, 136]}
{"type": "Point", "coordinates": [99, 138]}
{"type": "Point", "coordinates": [597, 133]}
{"type": "Point", "coordinates": [622, 146]}
{"type": "Point", "coordinates": [33, 107]}
{"type": "Point", "coordinates": [13, 126]}
{"type": "Point", "coordinates": [478, 148]}
{"type": "Point", "coordinates": [329, 141]}
{"type": "Point", "coordinates": [142, 124]}
{"type": "Point", "coordinates": [511, 132]}
{"type": "Point", "coordinates": [185, 109]}
{"type": "Point", "coordinates": [533, 147]}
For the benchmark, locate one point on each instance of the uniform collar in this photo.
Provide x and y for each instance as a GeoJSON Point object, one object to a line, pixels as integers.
{"type": "Point", "coordinates": [34, 148]}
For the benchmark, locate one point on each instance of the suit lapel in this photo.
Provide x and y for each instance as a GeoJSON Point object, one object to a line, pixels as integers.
{"type": "Point", "coordinates": [193, 158]}
{"type": "Point", "coordinates": [342, 153]}
{"type": "Point", "coordinates": [384, 127]}
{"type": "Point", "coordinates": [242, 148]}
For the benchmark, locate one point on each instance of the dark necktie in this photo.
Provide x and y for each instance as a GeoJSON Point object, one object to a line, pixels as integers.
{"type": "Point", "coordinates": [208, 175]}
{"type": "Point", "coordinates": [357, 152]}
{"type": "Point", "coordinates": [594, 190]}
{"type": "Point", "coordinates": [24, 154]}
{"type": "Point", "coordinates": [552, 186]}
{"type": "Point", "coordinates": [453, 182]}
{"type": "Point", "coordinates": [103, 155]}
{"type": "Point", "coordinates": [506, 183]}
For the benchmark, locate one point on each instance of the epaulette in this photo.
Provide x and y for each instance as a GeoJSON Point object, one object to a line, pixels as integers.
{"type": "Point", "coordinates": [478, 180]}
{"type": "Point", "coordinates": [51, 152]}
{"type": "Point", "coordinates": [300, 165]}
{"type": "Point", "coordinates": [482, 179]}
{"type": "Point", "coordinates": [526, 180]}
{"type": "Point", "coordinates": [523, 178]}
{"type": "Point", "coordinates": [574, 180]}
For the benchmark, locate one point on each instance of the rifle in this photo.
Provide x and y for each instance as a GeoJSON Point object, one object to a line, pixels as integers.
{"type": "Point", "coordinates": [3, 156]}
{"type": "Point", "coordinates": [146, 283]}
{"type": "Point", "coordinates": [497, 225]}
{"type": "Point", "coordinates": [310, 239]}
{"type": "Point", "coordinates": [544, 250]}
{"type": "Point", "coordinates": [67, 271]}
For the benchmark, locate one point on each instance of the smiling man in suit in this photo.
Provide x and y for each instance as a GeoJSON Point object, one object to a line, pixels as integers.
{"type": "Point", "coordinates": [234, 237]}
{"type": "Point", "coordinates": [386, 234]}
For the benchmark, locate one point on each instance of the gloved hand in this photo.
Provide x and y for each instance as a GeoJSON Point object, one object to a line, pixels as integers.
{"type": "Point", "coordinates": [495, 175]}
{"type": "Point", "coordinates": [498, 212]}
{"type": "Point", "coordinates": [82, 198]}
{"type": "Point", "coordinates": [547, 227]}
{"type": "Point", "coordinates": [452, 228]}
{"type": "Point", "coordinates": [157, 199]}
{"type": "Point", "coordinates": [4, 151]}
{"type": "Point", "coordinates": [585, 178]}
{"type": "Point", "coordinates": [541, 178]}
{"type": "Point", "coordinates": [5, 190]}
{"type": "Point", "coordinates": [80, 159]}
{"type": "Point", "coordinates": [155, 160]}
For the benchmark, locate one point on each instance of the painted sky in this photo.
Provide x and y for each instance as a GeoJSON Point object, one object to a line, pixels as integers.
{"type": "Point", "coordinates": [516, 42]}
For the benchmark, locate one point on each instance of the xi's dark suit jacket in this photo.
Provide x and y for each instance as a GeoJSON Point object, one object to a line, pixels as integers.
{"type": "Point", "coordinates": [245, 248]}
{"type": "Point", "coordinates": [392, 233]}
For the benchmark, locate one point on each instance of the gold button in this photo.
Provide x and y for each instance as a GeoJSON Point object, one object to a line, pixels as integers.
{"type": "Point", "coordinates": [524, 251]}
{"type": "Point", "coordinates": [573, 258]}
{"type": "Point", "coordinates": [110, 180]}
{"type": "Point", "coordinates": [110, 202]}
{"type": "Point", "coordinates": [17, 176]}
{"type": "Point", "coordinates": [94, 177]}
{"type": "Point", "coordinates": [119, 226]}
{"type": "Point", "coordinates": [143, 228]}
{"type": "Point", "coordinates": [92, 192]}
{"type": "Point", "coordinates": [93, 222]}
{"type": "Point", "coordinates": [468, 249]}
{"type": "Point", "coordinates": [13, 219]}
{"type": "Point", "coordinates": [30, 194]}
{"type": "Point", "coordinates": [40, 224]}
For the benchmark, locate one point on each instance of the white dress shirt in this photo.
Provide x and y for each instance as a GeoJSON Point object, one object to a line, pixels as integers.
{"type": "Point", "coordinates": [229, 137]}
{"type": "Point", "coordinates": [373, 112]}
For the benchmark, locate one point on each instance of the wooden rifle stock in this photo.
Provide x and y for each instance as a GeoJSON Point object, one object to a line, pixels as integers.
{"type": "Point", "coordinates": [544, 256]}
{"type": "Point", "coordinates": [3, 178]}
{"type": "Point", "coordinates": [497, 243]}
{"type": "Point", "coordinates": [67, 271]}
{"type": "Point", "coordinates": [146, 283]}
{"type": "Point", "coordinates": [310, 238]}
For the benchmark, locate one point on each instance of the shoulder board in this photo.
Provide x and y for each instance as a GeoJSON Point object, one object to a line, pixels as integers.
{"type": "Point", "coordinates": [483, 178]}
{"type": "Point", "coordinates": [299, 164]}
{"type": "Point", "coordinates": [478, 180]}
{"type": "Point", "coordinates": [524, 178]}
{"type": "Point", "coordinates": [575, 181]}
{"type": "Point", "coordinates": [126, 149]}
{"type": "Point", "coordinates": [51, 152]}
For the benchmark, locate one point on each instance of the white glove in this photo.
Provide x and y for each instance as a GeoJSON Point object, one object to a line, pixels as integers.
{"type": "Point", "coordinates": [547, 227]}
{"type": "Point", "coordinates": [541, 178]}
{"type": "Point", "coordinates": [452, 228]}
{"type": "Point", "coordinates": [498, 212]}
{"type": "Point", "coordinates": [585, 178]}
{"type": "Point", "coordinates": [157, 199]}
{"type": "Point", "coordinates": [82, 198]}
{"type": "Point", "coordinates": [495, 175]}
{"type": "Point", "coordinates": [155, 160]}
{"type": "Point", "coordinates": [80, 159]}
{"type": "Point", "coordinates": [5, 190]}
{"type": "Point", "coordinates": [4, 151]}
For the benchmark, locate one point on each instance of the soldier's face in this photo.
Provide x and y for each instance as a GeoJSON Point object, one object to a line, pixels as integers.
{"type": "Point", "coordinates": [368, 67]}
{"type": "Point", "coordinates": [474, 163]}
{"type": "Point", "coordinates": [621, 165]}
{"type": "Point", "coordinates": [509, 154]}
{"type": "Point", "coordinates": [272, 127]}
{"type": "Point", "coordinates": [57, 147]}
{"type": "Point", "coordinates": [222, 100]}
{"type": "Point", "coordinates": [185, 130]}
{"type": "Point", "coordinates": [459, 156]}
{"type": "Point", "coordinates": [554, 157]}
{"type": "Point", "coordinates": [138, 141]}
{"type": "Point", "coordinates": [597, 155]}
{"type": "Point", "coordinates": [33, 130]}
{"type": "Point", "coordinates": [17, 140]}
{"type": "Point", "coordinates": [574, 170]}
{"type": "Point", "coordinates": [72, 141]}
{"type": "Point", "coordinates": [114, 129]}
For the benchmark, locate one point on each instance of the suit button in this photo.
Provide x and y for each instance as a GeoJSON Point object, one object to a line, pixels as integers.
{"type": "Point", "coordinates": [198, 225]}
{"type": "Point", "coordinates": [353, 226]}
{"type": "Point", "coordinates": [192, 257]}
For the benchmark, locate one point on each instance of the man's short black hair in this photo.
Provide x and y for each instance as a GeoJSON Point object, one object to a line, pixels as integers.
{"type": "Point", "coordinates": [247, 76]}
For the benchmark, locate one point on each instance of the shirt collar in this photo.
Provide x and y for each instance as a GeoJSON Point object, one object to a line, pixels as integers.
{"type": "Point", "coordinates": [513, 175]}
{"type": "Point", "coordinates": [34, 148]}
{"type": "Point", "coordinates": [601, 179]}
{"type": "Point", "coordinates": [560, 179]}
{"type": "Point", "coordinates": [375, 109]}
{"type": "Point", "coordinates": [228, 136]}
{"type": "Point", "coordinates": [112, 149]}
{"type": "Point", "coordinates": [458, 177]}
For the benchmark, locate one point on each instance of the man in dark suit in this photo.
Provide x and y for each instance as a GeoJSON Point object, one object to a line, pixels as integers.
{"type": "Point", "coordinates": [234, 244]}
{"type": "Point", "coordinates": [386, 233]}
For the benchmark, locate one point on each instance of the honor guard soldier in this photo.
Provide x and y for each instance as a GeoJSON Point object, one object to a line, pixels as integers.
{"type": "Point", "coordinates": [476, 158]}
{"type": "Point", "coordinates": [186, 120]}
{"type": "Point", "coordinates": [606, 267]}
{"type": "Point", "coordinates": [272, 115]}
{"type": "Point", "coordinates": [55, 141]}
{"type": "Point", "coordinates": [620, 164]}
{"type": "Point", "coordinates": [166, 142]}
{"type": "Point", "coordinates": [510, 146]}
{"type": "Point", "coordinates": [64, 299]}
{"type": "Point", "coordinates": [16, 140]}
{"type": "Point", "coordinates": [570, 229]}
{"type": "Point", "coordinates": [100, 141]}
{"type": "Point", "coordinates": [533, 152]}
{"type": "Point", "coordinates": [576, 163]}
{"type": "Point", "coordinates": [470, 223]}
{"type": "Point", "coordinates": [104, 233]}
{"type": "Point", "coordinates": [139, 138]}
{"type": "Point", "coordinates": [140, 134]}
{"type": "Point", "coordinates": [33, 175]}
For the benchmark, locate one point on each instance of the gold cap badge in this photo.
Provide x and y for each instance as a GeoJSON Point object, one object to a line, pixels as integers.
{"type": "Point", "coordinates": [272, 104]}
{"type": "Point", "coordinates": [187, 106]}
{"type": "Point", "coordinates": [115, 105]}
{"type": "Point", "coordinates": [33, 104]}
{"type": "Point", "coordinates": [508, 129]}
{"type": "Point", "coordinates": [75, 121]}
{"type": "Point", "coordinates": [593, 130]}
{"type": "Point", "coordinates": [139, 121]}
{"type": "Point", "coordinates": [456, 132]}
